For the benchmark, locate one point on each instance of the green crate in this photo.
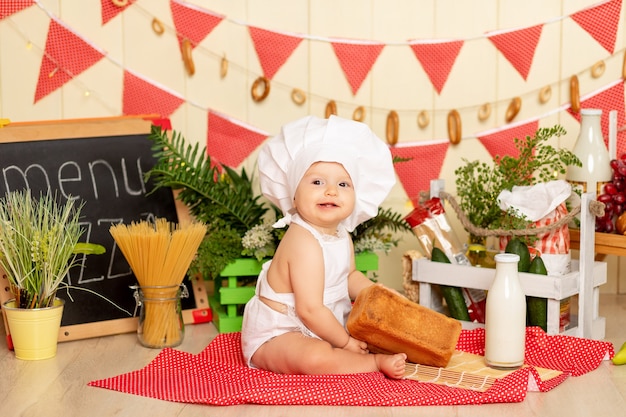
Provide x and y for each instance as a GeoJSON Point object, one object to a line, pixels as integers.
{"type": "Point", "coordinates": [366, 261]}
{"type": "Point", "coordinates": [228, 298]}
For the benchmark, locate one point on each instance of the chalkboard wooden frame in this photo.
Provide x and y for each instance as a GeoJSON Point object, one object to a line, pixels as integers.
{"type": "Point", "coordinates": [99, 128]}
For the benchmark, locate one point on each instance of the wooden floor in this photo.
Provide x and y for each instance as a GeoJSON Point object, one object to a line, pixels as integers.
{"type": "Point", "coordinates": [58, 387]}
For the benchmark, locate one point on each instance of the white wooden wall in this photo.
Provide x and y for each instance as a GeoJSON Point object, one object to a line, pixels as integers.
{"type": "Point", "coordinates": [396, 81]}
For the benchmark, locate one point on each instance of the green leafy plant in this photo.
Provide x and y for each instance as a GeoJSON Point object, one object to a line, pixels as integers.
{"type": "Point", "coordinates": [478, 184]}
{"type": "Point", "coordinates": [379, 233]}
{"type": "Point", "coordinates": [238, 220]}
{"type": "Point", "coordinates": [215, 194]}
{"type": "Point", "coordinates": [38, 245]}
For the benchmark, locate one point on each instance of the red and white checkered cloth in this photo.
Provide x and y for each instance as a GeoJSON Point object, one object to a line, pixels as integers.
{"type": "Point", "coordinates": [218, 376]}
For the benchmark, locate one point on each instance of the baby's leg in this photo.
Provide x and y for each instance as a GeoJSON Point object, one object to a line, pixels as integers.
{"type": "Point", "coordinates": [294, 353]}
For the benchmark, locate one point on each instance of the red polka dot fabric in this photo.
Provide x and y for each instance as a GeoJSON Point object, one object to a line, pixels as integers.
{"type": "Point", "coordinates": [272, 48]}
{"type": "Point", "coordinates": [356, 60]}
{"type": "Point", "coordinates": [109, 10]}
{"type": "Point", "coordinates": [518, 47]}
{"type": "Point", "coordinates": [9, 7]}
{"type": "Point", "coordinates": [501, 143]}
{"type": "Point", "coordinates": [219, 376]}
{"type": "Point", "coordinates": [422, 164]}
{"type": "Point", "coordinates": [605, 33]}
{"type": "Point", "coordinates": [437, 59]}
{"type": "Point", "coordinates": [66, 56]}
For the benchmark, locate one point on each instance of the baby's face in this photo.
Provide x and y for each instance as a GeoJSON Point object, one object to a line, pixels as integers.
{"type": "Point", "coordinates": [325, 196]}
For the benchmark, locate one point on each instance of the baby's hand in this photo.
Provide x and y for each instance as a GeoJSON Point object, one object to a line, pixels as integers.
{"type": "Point", "coordinates": [356, 346]}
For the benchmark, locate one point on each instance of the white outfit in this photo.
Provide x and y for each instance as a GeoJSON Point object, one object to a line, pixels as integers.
{"type": "Point", "coordinates": [262, 323]}
{"type": "Point", "coordinates": [283, 161]}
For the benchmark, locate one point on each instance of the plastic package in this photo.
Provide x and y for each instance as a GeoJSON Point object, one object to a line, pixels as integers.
{"type": "Point", "coordinates": [432, 229]}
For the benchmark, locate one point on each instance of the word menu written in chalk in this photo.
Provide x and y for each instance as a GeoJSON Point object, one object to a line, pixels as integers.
{"type": "Point", "coordinates": [106, 176]}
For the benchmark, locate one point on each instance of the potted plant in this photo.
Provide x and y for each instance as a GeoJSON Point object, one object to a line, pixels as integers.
{"type": "Point", "coordinates": [38, 246]}
{"type": "Point", "coordinates": [478, 184]}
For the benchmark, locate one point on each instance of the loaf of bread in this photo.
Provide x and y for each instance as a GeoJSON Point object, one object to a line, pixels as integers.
{"type": "Point", "coordinates": [391, 323]}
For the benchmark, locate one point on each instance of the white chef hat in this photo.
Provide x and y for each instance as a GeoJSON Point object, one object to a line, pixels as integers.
{"type": "Point", "coordinates": [285, 158]}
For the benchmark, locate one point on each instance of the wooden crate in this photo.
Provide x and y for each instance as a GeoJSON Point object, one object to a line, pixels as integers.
{"type": "Point", "coordinates": [584, 281]}
{"type": "Point", "coordinates": [553, 288]}
{"type": "Point", "coordinates": [605, 243]}
{"type": "Point", "coordinates": [230, 295]}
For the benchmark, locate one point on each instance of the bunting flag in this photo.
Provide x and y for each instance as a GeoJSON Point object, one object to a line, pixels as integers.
{"type": "Point", "coordinates": [424, 164]}
{"type": "Point", "coordinates": [192, 22]}
{"type": "Point", "coordinates": [501, 143]}
{"type": "Point", "coordinates": [229, 142]}
{"type": "Point", "coordinates": [272, 48]}
{"type": "Point", "coordinates": [608, 99]}
{"type": "Point", "coordinates": [601, 22]}
{"type": "Point", "coordinates": [437, 60]}
{"type": "Point", "coordinates": [110, 10]}
{"type": "Point", "coordinates": [65, 57]}
{"type": "Point", "coordinates": [7, 8]}
{"type": "Point", "coordinates": [518, 47]}
{"type": "Point", "coordinates": [143, 97]}
{"type": "Point", "coordinates": [356, 60]}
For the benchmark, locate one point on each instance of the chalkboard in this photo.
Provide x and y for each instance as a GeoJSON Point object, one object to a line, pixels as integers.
{"type": "Point", "coordinates": [106, 174]}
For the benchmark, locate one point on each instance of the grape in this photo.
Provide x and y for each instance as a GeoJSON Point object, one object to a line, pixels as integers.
{"type": "Point", "coordinates": [610, 188]}
{"type": "Point", "coordinates": [605, 198]}
{"type": "Point", "coordinates": [613, 196]}
{"type": "Point", "coordinates": [619, 198]}
{"type": "Point", "coordinates": [614, 164]}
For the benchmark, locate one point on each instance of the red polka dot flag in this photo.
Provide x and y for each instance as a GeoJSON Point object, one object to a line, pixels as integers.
{"type": "Point", "coordinates": [219, 376]}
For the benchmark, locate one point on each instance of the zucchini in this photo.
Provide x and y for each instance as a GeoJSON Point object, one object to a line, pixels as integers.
{"type": "Point", "coordinates": [518, 247]}
{"type": "Point", "coordinates": [537, 307]}
{"type": "Point", "coordinates": [453, 295]}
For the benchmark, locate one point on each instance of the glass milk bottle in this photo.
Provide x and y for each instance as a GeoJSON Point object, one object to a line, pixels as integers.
{"type": "Point", "coordinates": [505, 318]}
{"type": "Point", "coordinates": [592, 152]}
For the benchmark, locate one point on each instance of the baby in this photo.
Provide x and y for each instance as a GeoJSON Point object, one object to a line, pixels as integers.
{"type": "Point", "coordinates": [327, 176]}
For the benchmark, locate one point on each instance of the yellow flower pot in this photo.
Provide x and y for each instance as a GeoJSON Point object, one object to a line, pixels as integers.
{"type": "Point", "coordinates": [34, 332]}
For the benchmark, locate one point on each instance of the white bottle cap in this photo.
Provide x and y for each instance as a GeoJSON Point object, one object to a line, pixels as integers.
{"type": "Point", "coordinates": [506, 257]}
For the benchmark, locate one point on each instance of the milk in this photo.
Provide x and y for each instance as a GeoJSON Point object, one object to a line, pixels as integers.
{"type": "Point", "coordinates": [505, 317]}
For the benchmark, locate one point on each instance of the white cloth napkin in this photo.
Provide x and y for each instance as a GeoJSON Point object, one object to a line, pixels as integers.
{"type": "Point", "coordinates": [536, 201]}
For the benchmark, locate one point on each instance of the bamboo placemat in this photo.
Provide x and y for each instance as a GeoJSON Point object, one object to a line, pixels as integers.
{"type": "Point", "coordinates": [466, 370]}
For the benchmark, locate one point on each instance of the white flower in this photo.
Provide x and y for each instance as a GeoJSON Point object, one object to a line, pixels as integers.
{"type": "Point", "coordinates": [259, 242]}
{"type": "Point", "coordinates": [257, 237]}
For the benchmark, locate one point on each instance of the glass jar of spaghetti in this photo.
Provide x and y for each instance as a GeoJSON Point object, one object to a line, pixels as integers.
{"type": "Point", "coordinates": [160, 315]}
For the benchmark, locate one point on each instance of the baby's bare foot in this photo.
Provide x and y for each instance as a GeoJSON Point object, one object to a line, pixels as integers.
{"type": "Point", "coordinates": [391, 365]}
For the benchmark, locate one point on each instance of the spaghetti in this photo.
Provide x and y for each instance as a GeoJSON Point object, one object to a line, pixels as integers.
{"type": "Point", "coordinates": [159, 255]}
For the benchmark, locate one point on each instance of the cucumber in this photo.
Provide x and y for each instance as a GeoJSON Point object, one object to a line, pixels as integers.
{"type": "Point", "coordinates": [453, 295]}
{"type": "Point", "coordinates": [537, 307]}
{"type": "Point", "coordinates": [518, 247]}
